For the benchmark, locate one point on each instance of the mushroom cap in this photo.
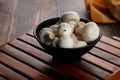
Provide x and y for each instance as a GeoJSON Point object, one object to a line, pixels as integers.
{"type": "Point", "coordinates": [70, 15]}
{"type": "Point", "coordinates": [64, 29]}
{"type": "Point", "coordinates": [90, 32]}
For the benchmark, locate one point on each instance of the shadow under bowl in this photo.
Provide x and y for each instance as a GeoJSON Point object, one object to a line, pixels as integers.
{"type": "Point", "coordinates": [63, 54]}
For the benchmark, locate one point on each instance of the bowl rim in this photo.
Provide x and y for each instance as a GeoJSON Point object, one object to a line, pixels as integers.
{"type": "Point", "coordinates": [81, 19]}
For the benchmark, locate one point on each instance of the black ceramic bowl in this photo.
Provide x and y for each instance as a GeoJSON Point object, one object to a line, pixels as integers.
{"type": "Point", "coordinates": [63, 53]}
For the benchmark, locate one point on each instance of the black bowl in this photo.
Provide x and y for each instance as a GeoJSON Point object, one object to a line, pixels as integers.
{"type": "Point", "coordinates": [63, 53]}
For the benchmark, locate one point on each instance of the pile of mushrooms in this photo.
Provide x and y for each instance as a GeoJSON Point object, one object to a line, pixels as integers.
{"type": "Point", "coordinates": [69, 32]}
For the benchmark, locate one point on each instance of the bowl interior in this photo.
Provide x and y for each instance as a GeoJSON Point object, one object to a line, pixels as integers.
{"type": "Point", "coordinates": [63, 52]}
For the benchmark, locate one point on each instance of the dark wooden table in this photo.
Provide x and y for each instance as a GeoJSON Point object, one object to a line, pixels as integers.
{"type": "Point", "coordinates": [23, 59]}
{"type": "Point", "coordinates": [20, 16]}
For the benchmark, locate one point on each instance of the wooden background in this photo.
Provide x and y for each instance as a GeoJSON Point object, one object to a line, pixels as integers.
{"type": "Point", "coordinates": [19, 16]}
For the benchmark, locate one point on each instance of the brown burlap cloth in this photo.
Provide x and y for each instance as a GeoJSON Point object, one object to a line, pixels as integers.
{"type": "Point", "coordinates": [104, 11]}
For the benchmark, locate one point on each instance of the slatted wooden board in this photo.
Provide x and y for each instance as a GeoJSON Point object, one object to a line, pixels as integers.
{"type": "Point", "coordinates": [22, 59]}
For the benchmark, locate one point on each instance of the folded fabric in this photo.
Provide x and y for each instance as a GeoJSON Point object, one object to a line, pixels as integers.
{"type": "Point", "coordinates": [114, 7]}
{"type": "Point", "coordinates": [101, 11]}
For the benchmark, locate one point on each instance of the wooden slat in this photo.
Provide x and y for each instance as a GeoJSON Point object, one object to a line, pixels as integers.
{"type": "Point", "coordinates": [78, 73]}
{"type": "Point", "coordinates": [33, 62]}
{"type": "Point", "coordinates": [92, 69]}
{"type": "Point", "coordinates": [99, 62]}
{"type": "Point", "coordinates": [26, 70]}
{"type": "Point", "coordinates": [26, 39]}
{"type": "Point", "coordinates": [47, 58]}
{"type": "Point", "coordinates": [30, 50]}
{"type": "Point", "coordinates": [108, 48]}
{"type": "Point", "coordinates": [106, 56]}
{"type": "Point", "coordinates": [110, 41]}
{"type": "Point", "coordinates": [9, 74]}
{"type": "Point", "coordinates": [116, 38]}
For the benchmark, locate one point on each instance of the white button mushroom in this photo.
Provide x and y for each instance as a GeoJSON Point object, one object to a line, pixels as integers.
{"type": "Point", "coordinates": [90, 32]}
{"type": "Point", "coordinates": [70, 15]}
{"type": "Point", "coordinates": [46, 35]}
{"type": "Point", "coordinates": [65, 38]}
